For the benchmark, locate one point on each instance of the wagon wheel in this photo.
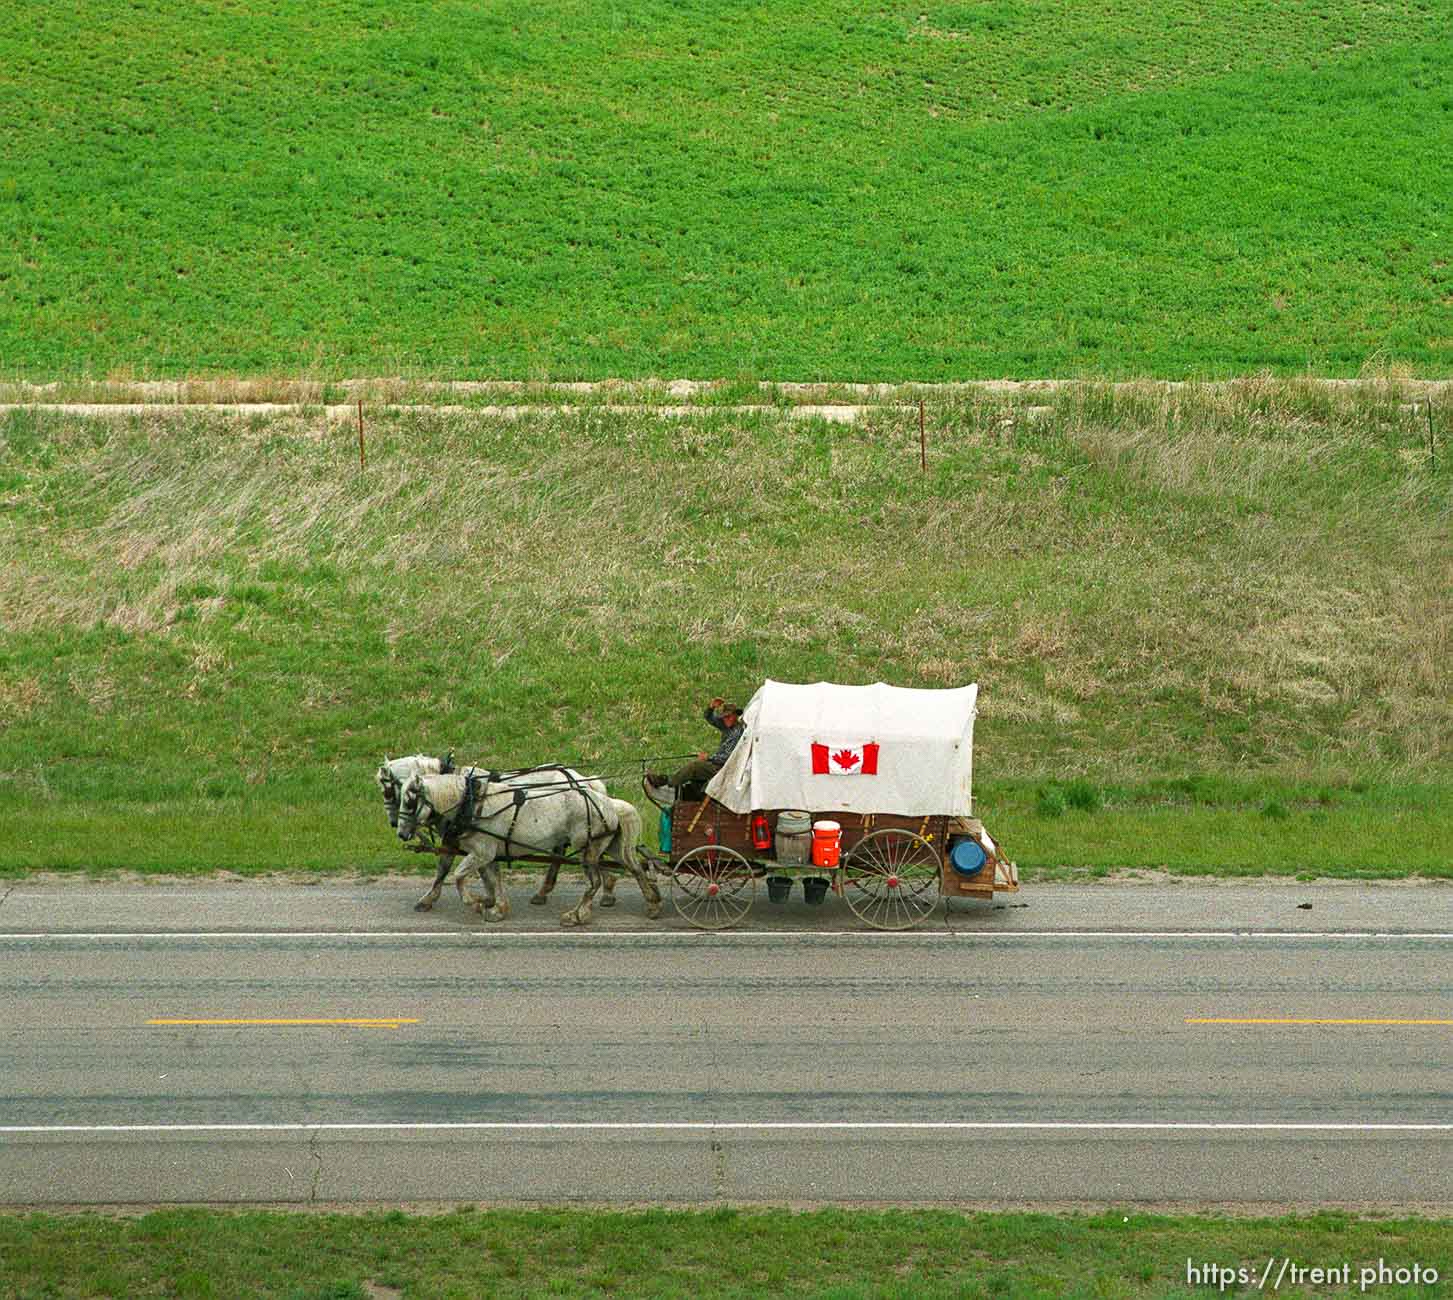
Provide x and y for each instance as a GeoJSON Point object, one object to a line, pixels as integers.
{"type": "Point", "coordinates": [712, 886]}
{"type": "Point", "coordinates": [890, 879]}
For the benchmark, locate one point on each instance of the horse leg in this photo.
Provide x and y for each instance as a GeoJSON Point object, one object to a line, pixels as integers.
{"type": "Point", "coordinates": [552, 874]}
{"type": "Point", "coordinates": [580, 913]}
{"type": "Point", "coordinates": [649, 892]}
{"type": "Point", "coordinates": [497, 901]}
{"type": "Point", "coordinates": [457, 876]}
{"type": "Point", "coordinates": [617, 850]}
{"type": "Point", "coordinates": [626, 840]}
{"type": "Point", "coordinates": [622, 849]}
{"type": "Point", "coordinates": [426, 903]}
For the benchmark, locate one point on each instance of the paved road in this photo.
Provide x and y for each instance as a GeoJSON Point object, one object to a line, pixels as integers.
{"type": "Point", "coordinates": [1071, 1049]}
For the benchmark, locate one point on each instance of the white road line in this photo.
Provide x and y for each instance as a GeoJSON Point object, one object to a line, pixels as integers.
{"type": "Point", "coordinates": [697, 936]}
{"type": "Point", "coordinates": [709, 1126]}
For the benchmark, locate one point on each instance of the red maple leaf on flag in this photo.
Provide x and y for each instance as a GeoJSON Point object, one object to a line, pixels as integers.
{"type": "Point", "coordinates": [845, 758]}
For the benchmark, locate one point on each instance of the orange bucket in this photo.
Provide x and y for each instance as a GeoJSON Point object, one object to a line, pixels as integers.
{"type": "Point", "coordinates": [827, 840]}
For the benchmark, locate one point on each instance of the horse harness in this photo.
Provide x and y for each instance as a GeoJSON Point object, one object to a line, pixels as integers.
{"type": "Point", "coordinates": [465, 815]}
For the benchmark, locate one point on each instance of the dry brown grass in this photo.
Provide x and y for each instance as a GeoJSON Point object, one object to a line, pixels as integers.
{"type": "Point", "coordinates": [1136, 559]}
{"type": "Point", "coordinates": [20, 698]}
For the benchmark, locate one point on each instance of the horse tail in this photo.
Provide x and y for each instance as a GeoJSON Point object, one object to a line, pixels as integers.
{"type": "Point", "coordinates": [622, 846]}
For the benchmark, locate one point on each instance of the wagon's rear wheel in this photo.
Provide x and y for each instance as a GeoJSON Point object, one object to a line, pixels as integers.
{"type": "Point", "coordinates": [712, 886]}
{"type": "Point", "coordinates": [890, 879]}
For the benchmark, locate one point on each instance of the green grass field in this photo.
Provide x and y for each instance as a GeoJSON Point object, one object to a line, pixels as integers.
{"type": "Point", "coordinates": [806, 190]}
{"type": "Point", "coordinates": [850, 1254]}
{"type": "Point", "coordinates": [1212, 628]}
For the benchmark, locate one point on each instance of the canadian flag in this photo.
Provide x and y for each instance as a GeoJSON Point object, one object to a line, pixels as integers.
{"type": "Point", "coordinates": [845, 760]}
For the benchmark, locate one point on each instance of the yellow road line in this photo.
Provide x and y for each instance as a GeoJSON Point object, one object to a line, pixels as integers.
{"type": "Point", "coordinates": [373, 1022]}
{"type": "Point", "coordinates": [1297, 1020]}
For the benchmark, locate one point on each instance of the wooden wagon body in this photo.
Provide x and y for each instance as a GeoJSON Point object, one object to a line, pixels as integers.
{"type": "Point", "coordinates": [711, 844]}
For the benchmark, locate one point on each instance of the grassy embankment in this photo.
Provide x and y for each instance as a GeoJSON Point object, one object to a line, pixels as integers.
{"type": "Point", "coordinates": [1212, 628]}
{"type": "Point", "coordinates": [1210, 187]}
{"type": "Point", "coordinates": [846, 1254]}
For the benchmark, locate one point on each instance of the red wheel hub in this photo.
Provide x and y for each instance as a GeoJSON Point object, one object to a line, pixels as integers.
{"type": "Point", "coordinates": [892, 882]}
{"type": "Point", "coordinates": [713, 890]}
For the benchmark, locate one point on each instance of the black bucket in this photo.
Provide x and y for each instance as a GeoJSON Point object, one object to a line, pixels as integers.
{"type": "Point", "coordinates": [814, 888]}
{"type": "Point", "coordinates": [779, 888]}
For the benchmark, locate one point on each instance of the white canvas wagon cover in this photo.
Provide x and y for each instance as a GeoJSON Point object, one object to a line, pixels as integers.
{"type": "Point", "coordinates": [861, 749]}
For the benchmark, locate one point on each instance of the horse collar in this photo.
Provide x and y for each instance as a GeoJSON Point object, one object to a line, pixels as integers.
{"type": "Point", "coordinates": [463, 813]}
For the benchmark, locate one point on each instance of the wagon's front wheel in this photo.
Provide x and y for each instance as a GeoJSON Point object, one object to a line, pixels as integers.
{"type": "Point", "coordinates": [890, 879]}
{"type": "Point", "coordinates": [712, 887]}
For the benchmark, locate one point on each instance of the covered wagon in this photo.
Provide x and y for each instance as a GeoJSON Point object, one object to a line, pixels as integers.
{"type": "Point", "coordinates": [862, 790]}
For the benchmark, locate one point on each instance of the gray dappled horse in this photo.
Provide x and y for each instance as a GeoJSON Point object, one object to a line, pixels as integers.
{"type": "Point", "coordinates": [545, 812]}
{"type": "Point", "coordinates": [394, 773]}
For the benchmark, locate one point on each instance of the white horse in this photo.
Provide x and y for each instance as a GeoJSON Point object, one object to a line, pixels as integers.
{"type": "Point", "coordinates": [394, 773]}
{"type": "Point", "coordinates": [546, 812]}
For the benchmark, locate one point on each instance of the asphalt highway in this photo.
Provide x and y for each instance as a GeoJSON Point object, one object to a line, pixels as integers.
{"type": "Point", "coordinates": [1196, 1044]}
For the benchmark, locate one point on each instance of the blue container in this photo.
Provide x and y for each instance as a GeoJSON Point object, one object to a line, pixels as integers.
{"type": "Point", "coordinates": [664, 836]}
{"type": "Point", "coordinates": [968, 857]}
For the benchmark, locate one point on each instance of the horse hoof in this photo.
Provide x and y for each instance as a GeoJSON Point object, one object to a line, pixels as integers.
{"type": "Point", "coordinates": [607, 900]}
{"type": "Point", "coordinates": [653, 912]}
{"type": "Point", "coordinates": [539, 900]}
{"type": "Point", "coordinates": [424, 905]}
{"type": "Point", "coordinates": [494, 914]}
{"type": "Point", "coordinates": [569, 918]}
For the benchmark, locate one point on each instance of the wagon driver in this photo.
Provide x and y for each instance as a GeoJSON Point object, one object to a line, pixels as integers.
{"type": "Point", "coordinates": [727, 719]}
